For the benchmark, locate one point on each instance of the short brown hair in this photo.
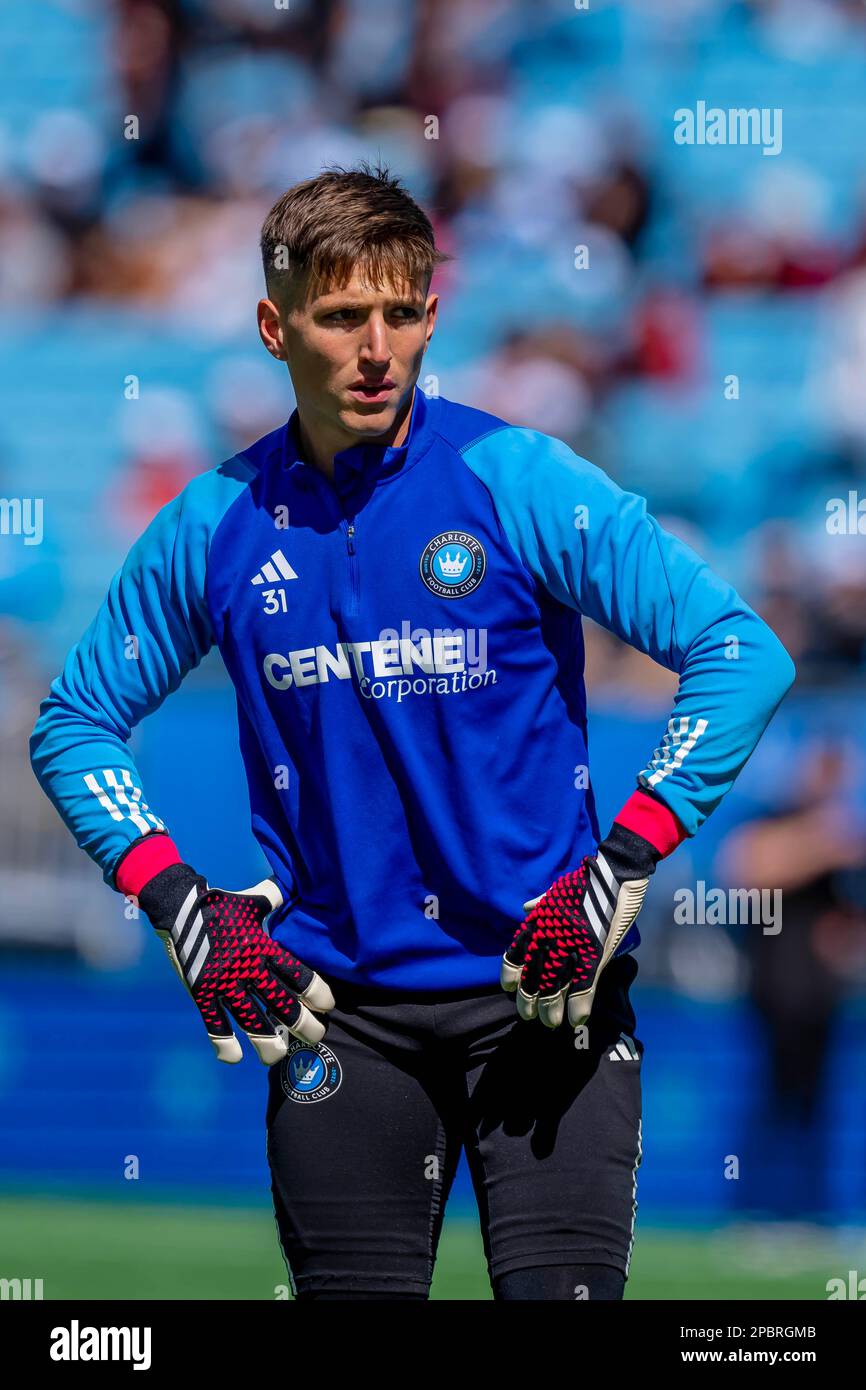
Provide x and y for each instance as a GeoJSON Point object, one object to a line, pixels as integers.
{"type": "Point", "coordinates": [322, 228]}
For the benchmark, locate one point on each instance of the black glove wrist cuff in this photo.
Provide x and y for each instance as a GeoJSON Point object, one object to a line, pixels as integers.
{"type": "Point", "coordinates": [630, 856]}
{"type": "Point", "coordinates": [164, 896]}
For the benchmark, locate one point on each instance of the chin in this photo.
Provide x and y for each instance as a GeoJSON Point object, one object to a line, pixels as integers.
{"type": "Point", "coordinates": [369, 417]}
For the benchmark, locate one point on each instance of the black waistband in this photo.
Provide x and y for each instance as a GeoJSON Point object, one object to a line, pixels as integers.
{"type": "Point", "coordinates": [619, 971]}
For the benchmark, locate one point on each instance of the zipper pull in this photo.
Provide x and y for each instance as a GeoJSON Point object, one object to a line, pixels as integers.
{"type": "Point", "coordinates": [349, 534]}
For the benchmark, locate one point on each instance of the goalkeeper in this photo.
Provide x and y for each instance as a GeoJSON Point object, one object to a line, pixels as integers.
{"type": "Point", "coordinates": [396, 583]}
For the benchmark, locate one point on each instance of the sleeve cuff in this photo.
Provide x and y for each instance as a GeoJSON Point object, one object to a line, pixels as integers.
{"type": "Point", "coordinates": [143, 860]}
{"type": "Point", "coordinates": [653, 821]}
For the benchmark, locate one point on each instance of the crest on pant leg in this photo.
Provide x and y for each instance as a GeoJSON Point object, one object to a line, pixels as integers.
{"type": "Point", "coordinates": [310, 1072]}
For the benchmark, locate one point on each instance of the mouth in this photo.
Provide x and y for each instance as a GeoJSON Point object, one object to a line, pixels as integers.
{"type": "Point", "coordinates": [373, 391]}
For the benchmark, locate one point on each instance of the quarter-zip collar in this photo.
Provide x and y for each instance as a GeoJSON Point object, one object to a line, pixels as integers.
{"type": "Point", "coordinates": [368, 462]}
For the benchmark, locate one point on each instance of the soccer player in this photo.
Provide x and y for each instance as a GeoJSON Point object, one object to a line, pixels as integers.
{"type": "Point", "coordinates": [442, 956]}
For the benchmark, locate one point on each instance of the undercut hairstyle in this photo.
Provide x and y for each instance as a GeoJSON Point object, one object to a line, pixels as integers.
{"type": "Point", "coordinates": [320, 230]}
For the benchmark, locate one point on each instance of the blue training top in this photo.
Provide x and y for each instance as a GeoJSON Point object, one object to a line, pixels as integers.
{"type": "Point", "coordinates": [407, 652]}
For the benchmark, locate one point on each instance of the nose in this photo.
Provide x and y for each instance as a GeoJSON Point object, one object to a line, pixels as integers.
{"type": "Point", "coordinates": [375, 350]}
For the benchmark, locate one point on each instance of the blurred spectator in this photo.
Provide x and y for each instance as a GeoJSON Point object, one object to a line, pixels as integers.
{"type": "Point", "coordinates": [814, 853]}
{"type": "Point", "coordinates": [165, 450]}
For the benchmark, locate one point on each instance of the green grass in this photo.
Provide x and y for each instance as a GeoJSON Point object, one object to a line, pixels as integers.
{"type": "Point", "coordinates": [108, 1250]}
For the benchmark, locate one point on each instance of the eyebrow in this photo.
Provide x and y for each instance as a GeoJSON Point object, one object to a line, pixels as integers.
{"type": "Point", "coordinates": [356, 303]}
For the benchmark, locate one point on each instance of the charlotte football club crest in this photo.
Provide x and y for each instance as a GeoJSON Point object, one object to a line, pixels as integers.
{"type": "Point", "coordinates": [453, 564]}
{"type": "Point", "coordinates": [310, 1072]}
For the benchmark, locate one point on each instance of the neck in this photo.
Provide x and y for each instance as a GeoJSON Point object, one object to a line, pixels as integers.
{"type": "Point", "coordinates": [320, 441]}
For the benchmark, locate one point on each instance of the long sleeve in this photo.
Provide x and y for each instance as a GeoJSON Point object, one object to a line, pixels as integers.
{"type": "Point", "coordinates": [152, 628]}
{"type": "Point", "coordinates": [595, 548]}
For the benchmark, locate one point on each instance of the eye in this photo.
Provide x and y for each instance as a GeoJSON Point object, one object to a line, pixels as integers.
{"type": "Point", "coordinates": [341, 315]}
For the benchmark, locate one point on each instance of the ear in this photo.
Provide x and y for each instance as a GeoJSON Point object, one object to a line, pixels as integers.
{"type": "Point", "coordinates": [431, 307]}
{"type": "Point", "coordinates": [271, 328]}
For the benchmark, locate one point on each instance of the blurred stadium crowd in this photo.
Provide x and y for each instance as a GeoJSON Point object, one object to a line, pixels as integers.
{"type": "Point", "coordinates": [141, 142]}
{"type": "Point", "coordinates": [711, 356]}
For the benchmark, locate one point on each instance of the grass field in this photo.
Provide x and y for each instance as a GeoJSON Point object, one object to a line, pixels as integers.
{"type": "Point", "coordinates": [103, 1250]}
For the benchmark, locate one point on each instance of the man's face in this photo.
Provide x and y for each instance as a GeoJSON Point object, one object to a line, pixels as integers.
{"type": "Point", "coordinates": [354, 354]}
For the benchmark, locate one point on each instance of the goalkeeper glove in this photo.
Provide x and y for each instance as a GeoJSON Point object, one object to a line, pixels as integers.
{"type": "Point", "coordinates": [571, 932]}
{"type": "Point", "coordinates": [218, 943]}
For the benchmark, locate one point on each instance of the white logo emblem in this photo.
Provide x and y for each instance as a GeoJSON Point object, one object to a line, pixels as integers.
{"type": "Point", "coordinates": [273, 571]}
{"type": "Point", "coordinates": [452, 566]}
{"type": "Point", "coordinates": [624, 1050]}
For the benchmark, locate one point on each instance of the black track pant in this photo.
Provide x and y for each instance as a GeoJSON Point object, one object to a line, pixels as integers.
{"type": "Point", "coordinates": [365, 1131]}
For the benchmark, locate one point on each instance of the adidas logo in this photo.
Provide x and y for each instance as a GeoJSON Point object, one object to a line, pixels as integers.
{"type": "Point", "coordinates": [624, 1050]}
{"type": "Point", "coordinates": [119, 796]}
{"type": "Point", "coordinates": [274, 570]}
